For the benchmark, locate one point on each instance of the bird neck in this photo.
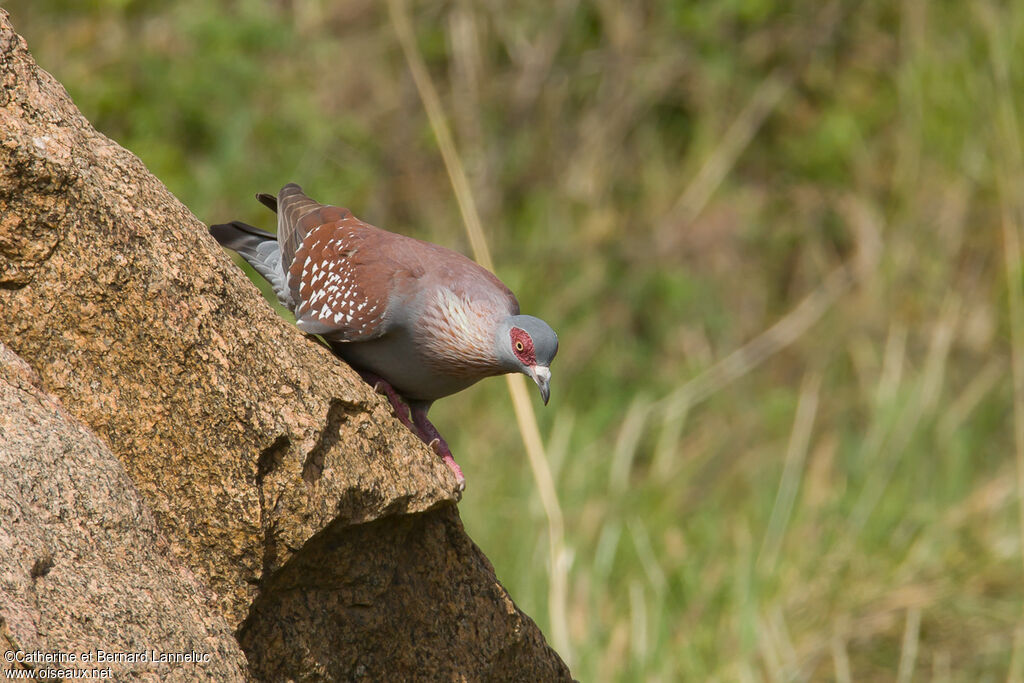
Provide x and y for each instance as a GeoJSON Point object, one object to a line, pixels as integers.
{"type": "Point", "coordinates": [460, 334]}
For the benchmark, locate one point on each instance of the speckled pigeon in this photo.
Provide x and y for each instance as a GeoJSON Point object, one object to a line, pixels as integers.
{"type": "Point", "coordinates": [416, 320]}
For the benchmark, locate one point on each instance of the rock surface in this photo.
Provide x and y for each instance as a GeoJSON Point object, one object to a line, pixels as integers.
{"type": "Point", "coordinates": [410, 594]}
{"type": "Point", "coordinates": [247, 441]}
{"type": "Point", "coordinates": [82, 565]}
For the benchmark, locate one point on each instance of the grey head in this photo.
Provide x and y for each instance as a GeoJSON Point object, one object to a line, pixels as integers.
{"type": "Point", "coordinates": [528, 345]}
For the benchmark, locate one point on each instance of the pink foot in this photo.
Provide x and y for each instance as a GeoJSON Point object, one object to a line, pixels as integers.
{"type": "Point", "coordinates": [430, 436]}
{"type": "Point", "coordinates": [441, 448]}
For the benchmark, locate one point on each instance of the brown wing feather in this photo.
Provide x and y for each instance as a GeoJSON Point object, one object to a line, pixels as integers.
{"type": "Point", "coordinates": [341, 289]}
{"type": "Point", "coordinates": [293, 206]}
{"type": "Point", "coordinates": [343, 273]}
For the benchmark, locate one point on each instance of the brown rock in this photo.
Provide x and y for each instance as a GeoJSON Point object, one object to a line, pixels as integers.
{"type": "Point", "coordinates": [82, 565]}
{"type": "Point", "coordinates": [249, 442]}
{"type": "Point", "coordinates": [409, 594]}
{"type": "Point", "coordinates": [243, 435]}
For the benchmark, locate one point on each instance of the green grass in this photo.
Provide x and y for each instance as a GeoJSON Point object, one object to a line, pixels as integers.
{"type": "Point", "coordinates": [663, 182]}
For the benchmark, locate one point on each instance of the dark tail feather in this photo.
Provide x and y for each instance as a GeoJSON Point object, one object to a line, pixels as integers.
{"type": "Point", "coordinates": [236, 235]}
{"type": "Point", "coordinates": [267, 200]}
{"type": "Point", "coordinates": [260, 249]}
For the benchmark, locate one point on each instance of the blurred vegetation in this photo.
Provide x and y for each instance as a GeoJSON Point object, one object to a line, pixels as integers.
{"type": "Point", "coordinates": [664, 182]}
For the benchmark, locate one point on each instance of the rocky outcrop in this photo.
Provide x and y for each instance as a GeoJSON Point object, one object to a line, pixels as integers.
{"type": "Point", "coordinates": [272, 472]}
{"type": "Point", "coordinates": [83, 567]}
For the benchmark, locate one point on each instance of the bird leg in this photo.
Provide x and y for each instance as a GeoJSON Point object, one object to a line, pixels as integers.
{"type": "Point", "coordinates": [399, 407]}
{"type": "Point", "coordinates": [430, 436]}
{"type": "Point", "coordinates": [418, 425]}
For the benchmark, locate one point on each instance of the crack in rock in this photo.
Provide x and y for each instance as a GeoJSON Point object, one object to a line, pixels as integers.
{"type": "Point", "coordinates": [313, 465]}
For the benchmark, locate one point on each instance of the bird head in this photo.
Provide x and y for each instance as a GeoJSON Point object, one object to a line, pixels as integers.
{"type": "Point", "coordinates": [528, 345]}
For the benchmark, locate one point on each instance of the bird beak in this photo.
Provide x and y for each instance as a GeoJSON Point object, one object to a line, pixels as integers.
{"type": "Point", "coordinates": [542, 376]}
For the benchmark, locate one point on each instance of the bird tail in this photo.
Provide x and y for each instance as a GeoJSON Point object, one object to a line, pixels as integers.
{"type": "Point", "coordinates": [260, 249]}
{"type": "Point", "coordinates": [268, 200]}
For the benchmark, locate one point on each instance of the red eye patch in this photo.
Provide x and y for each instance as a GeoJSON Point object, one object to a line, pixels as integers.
{"type": "Point", "coordinates": [522, 346]}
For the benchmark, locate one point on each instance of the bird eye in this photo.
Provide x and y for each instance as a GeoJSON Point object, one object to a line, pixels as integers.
{"type": "Point", "coordinates": [519, 346]}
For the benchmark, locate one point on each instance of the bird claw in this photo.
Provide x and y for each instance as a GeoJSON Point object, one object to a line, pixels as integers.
{"type": "Point", "coordinates": [441, 448]}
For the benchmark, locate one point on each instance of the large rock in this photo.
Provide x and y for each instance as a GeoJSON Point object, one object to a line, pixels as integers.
{"type": "Point", "coordinates": [246, 439]}
{"type": "Point", "coordinates": [83, 568]}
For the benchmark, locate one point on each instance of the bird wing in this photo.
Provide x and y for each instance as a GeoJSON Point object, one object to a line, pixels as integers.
{"type": "Point", "coordinates": [339, 272]}
{"type": "Point", "coordinates": [346, 276]}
